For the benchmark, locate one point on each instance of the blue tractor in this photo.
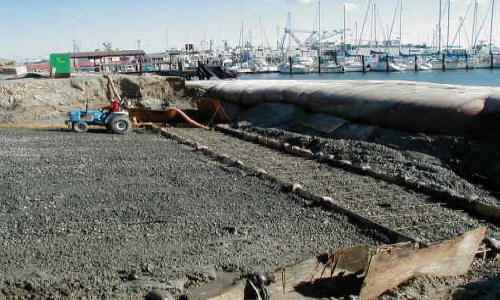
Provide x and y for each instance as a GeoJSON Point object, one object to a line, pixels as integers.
{"type": "Point", "coordinates": [117, 122]}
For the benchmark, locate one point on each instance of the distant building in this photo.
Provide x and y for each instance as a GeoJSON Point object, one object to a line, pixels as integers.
{"type": "Point", "coordinates": [108, 61]}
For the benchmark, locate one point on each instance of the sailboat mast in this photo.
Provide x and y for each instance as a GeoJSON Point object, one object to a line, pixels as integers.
{"type": "Point", "coordinates": [474, 22]}
{"type": "Point", "coordinates": [375, 22]}
{"type": "Point", "coordinates": [448, 27]}
{"type": "Point", "coordinates": [343, 35]}
{"type": "Point", "coordinates": [319, 25]}
{"type": "Point", "coordinates": [371, 24]}
{"type": "Point", "coordinates": [491, 25]}
{"type": "Point", "coordinates": [440, 14]}
{"type": "Point", "coordinates": [356, 35]}
{"type": "Point", "coordinates": [400, 25]}
{"type": "Point", "coordinates": [242, 45]}
{"type": "Point", "coordinates": [319, 37]}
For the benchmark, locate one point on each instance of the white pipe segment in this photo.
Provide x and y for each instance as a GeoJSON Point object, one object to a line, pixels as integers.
{"type": "Point", "coordinates": [414, 106]}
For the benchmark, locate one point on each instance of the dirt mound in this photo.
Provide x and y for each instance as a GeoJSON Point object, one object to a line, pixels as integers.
{"type": "Point", "coordinates": [30, 99]}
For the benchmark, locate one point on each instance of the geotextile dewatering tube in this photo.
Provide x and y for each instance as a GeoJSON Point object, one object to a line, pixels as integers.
{"type": "Point", "coordinates": [413, 106]}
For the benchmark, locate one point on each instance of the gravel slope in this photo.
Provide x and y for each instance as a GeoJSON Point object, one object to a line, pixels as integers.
{"type": "Point", "coordinates": [100, 215]}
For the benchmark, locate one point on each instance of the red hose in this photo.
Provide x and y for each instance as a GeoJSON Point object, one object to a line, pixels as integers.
{"type": "Point", "coordinates": [186, 118]}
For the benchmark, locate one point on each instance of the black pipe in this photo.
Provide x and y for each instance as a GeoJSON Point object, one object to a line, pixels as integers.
{"type": "Point", "coordinates": [416, 64]}
{"type": "Point", "coordinates": [387, 62]}
{"type": "Point", "coordinates": [443, 62]}
{"type": "Point", "coordinates": [290, 61]}
{"type": "Point", "coordinates": [363, 63]}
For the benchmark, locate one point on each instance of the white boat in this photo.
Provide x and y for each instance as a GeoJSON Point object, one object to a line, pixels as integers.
{"type": "Point", "coordinates": [331, 67]}
{"type": "Point", "coordinates": [244, 70]}
{"type": "Point", "coordinates": [482, 62]}
{"type": "Point", "coordinates": [259, 65]}
{"type": "Point", "coordinates": [426, 66]}
{"type": "Point", "coordinates": [300, 65]}
{"type": "Point", "coordinates": [353, 67]}
{"type": "Point", "coordinates": [381, 66]}
{"type": "Point", "coordinates": [296, 69]}
{"type": "Point", "coordinates": [404, 65]}
{"type": "Point", "coordinates": [274, 69]}
{"type": "Point", "coordinates": [431, 64]}
{"type": "Point", "coordinates": [241, 69]}
{"type": "Point", "coordinates": [450, 64]}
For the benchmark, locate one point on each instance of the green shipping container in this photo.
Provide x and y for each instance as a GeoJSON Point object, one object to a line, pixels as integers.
{"type": "Point", "coordinates": [62, 64]}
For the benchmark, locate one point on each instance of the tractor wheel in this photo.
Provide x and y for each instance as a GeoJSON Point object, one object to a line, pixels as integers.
{"type": "Point", "coordinates": [80, 127]}
{"type": "Point", "coordinates": [120, 124]}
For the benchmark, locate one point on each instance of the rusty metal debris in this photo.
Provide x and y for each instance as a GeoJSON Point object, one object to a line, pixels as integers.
{"type": "Point", "coordinates": [369, 274]}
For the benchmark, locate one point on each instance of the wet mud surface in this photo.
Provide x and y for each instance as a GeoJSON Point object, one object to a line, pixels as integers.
{"type": "Point", "coordinates": [102, 216]}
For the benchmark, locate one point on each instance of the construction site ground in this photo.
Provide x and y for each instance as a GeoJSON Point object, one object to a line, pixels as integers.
{"type": "Point", "coordinates": [103, 216]}
{"type": "Point", "coordinates": [106, 216]}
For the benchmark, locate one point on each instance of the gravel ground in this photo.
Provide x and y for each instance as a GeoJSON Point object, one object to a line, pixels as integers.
{"type": "Point", "coordinates": [481, 283]}
{"type": "Point", "coordinates": [469, 167]}
{"type": "Point", "coordinates": [393, 206]}
{"type": "Point", "coordinates": [98, 215]}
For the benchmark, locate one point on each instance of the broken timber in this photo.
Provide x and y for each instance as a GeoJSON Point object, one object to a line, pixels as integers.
{"type": "Point", "coordinates": [356, 270]}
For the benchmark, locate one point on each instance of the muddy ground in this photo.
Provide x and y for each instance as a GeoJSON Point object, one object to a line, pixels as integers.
{"type": "Point", "coordinates": [105, 216]}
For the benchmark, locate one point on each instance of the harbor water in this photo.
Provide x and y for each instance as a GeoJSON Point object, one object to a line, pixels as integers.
{"type": "Point", "coordinates": [479, 77]}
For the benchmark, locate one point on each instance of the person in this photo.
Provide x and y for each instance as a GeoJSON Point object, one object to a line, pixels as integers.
{"type": "Point", "coordinates": [111, 108]}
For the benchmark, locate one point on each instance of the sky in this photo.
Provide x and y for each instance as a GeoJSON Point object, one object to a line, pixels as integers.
{"type": "Point", "coordinates": [32, 29]}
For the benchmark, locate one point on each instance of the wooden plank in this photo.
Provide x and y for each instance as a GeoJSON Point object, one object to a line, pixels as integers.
{"type": "Point", "coordinates": [392, 265]}
{"type": "Point", "coordinates": [318, 277]}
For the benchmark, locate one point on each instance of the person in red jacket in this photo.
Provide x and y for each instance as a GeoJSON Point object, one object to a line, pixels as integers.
{"type": "Point", "coordinates": [113, 107]}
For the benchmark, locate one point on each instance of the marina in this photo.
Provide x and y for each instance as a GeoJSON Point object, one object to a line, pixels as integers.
{"type": "Point", "coordinates": [481, 77]}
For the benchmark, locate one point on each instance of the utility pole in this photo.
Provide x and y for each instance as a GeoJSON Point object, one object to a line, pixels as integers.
{"type": "Point", "coordinates": [138, 44]}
